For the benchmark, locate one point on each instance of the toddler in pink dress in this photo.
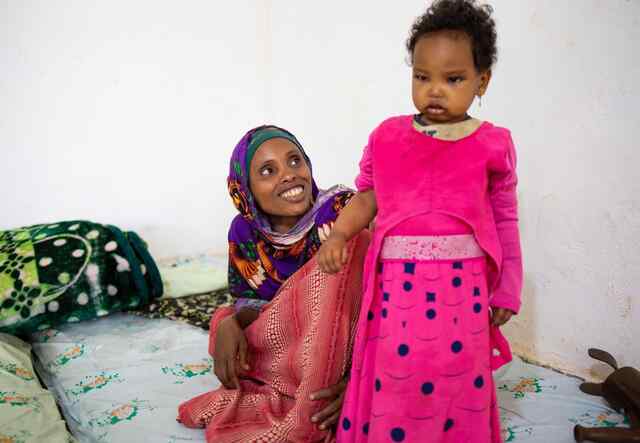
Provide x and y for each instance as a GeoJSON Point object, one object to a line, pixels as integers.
{"type": "Point", "coordinates": [444, 268]}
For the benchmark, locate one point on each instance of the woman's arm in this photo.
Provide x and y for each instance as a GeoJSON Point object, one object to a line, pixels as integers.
{"type": "Point", "coordinates": [246, 316]}
{"type": "Point", "coordinates": [230, 352]}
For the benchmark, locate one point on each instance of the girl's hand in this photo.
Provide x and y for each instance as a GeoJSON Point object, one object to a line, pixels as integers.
{"type": "Point", "coordinates": [230, 356]}
{"type": "Point", "coordinates": [500, 316]}
{"type": "Point", "coordinates": [332, 255]}
{"type": "Point", "coordinates": [331, 413]}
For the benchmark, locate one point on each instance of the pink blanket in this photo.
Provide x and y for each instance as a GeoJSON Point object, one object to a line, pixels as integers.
{"type": "Point", "coordinates": [300, 343]}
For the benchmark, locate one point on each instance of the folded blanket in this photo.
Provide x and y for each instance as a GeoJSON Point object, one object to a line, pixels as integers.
{"type": "Point", "coordinates": [190, 275]}
{"type": "Point", "coordinates": [71, 271]}
{"type": "Point", "coordinates": [300, 343]}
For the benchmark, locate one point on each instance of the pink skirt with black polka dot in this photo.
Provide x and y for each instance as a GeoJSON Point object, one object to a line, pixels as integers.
{"type": "Point", "coordinates": [426, 373]}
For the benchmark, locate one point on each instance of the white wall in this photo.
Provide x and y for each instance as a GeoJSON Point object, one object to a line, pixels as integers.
{"type": "Point", "coordinates": [125, 112]}
{"type": "Point", "coordinates": [567, 87]}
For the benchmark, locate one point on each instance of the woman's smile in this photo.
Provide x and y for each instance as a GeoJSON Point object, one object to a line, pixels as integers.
{"type": "Point", "coordinates": [293, 194]}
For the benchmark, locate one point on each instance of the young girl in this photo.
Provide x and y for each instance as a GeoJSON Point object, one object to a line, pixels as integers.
{"type": "Point", "coordinates": [444, 268]}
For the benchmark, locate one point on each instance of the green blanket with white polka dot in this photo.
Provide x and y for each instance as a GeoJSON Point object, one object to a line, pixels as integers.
{"type": "Point", "coordinates": [71, 271]}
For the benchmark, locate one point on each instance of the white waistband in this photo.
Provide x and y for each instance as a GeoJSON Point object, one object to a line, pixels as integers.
{"type": "Point", "coordinates": [431, 247]}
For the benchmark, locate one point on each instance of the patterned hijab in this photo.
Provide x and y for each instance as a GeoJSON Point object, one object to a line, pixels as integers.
{"type": "Point", "coordinates": [261, 259]}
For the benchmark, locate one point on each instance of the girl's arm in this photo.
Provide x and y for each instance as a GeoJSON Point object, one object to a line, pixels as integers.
{"type": "Point", "coordinates": [352, 219]}
{"type": "Point", "coordinates": [504, 202]}
{"type": "Point", "coordinates": [356, 216]}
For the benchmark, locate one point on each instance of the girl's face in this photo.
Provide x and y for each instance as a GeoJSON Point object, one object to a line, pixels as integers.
{"type": "Point", "coordinates": [280, 181]}
{"type": "Point", "coordinates": [445, 79]}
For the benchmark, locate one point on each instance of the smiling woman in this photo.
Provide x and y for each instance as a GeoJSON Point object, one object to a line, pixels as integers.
{"type": "Point", "coordinates": [283, 350]}
{"type": "Point", "coordinates": [284, 216]}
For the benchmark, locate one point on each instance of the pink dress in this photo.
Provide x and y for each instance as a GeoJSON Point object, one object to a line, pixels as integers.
{"type": "Point", "coordinates": [423, 355]}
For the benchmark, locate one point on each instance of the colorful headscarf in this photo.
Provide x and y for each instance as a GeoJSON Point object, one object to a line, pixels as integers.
{"type": "Point", "coordinates": [260, 259]}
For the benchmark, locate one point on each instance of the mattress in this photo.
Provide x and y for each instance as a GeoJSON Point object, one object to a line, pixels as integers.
{"type": "Point", "coordinates": [122, 377]}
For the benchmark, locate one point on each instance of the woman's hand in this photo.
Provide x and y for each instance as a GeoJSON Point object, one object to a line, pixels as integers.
{"type": "Point", "coordinates": [332, 255]}
{"type": "Point", "coordinates": [499, 316]}
{"type": "Point", "coordinates": [331, 413]}
{"type": "Point", "coordinates": [230, 356]}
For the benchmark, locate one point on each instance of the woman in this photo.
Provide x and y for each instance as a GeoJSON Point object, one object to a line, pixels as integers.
{"type": "Point", "coordinates": [281, 360]}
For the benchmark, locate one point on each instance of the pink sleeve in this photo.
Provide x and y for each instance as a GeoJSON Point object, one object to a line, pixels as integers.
{"type": "Point", "coordinates": [364, 180]}
{"type": "Point", "coordinates": [504, 202]}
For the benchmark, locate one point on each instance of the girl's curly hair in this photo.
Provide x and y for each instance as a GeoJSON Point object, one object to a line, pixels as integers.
{"type": "Point", "coordinates": [460, 15]}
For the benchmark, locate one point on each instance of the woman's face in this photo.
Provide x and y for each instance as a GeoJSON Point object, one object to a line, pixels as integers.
{"type": "Point", "coordinates": [280, 181]}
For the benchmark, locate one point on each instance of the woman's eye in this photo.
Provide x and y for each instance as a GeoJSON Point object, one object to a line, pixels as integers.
{"type": "Point", "coordinates": [420, 77]}
{"type": "Point", "coordinates": [456, 79]}
{"type": "Point", "coordinates": [295, 161]}
{"type": "Point", "coordinates": [266, 171]}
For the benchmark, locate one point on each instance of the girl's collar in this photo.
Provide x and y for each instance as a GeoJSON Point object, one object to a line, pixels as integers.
{"type": "Point", "coordinates": [447, 131]}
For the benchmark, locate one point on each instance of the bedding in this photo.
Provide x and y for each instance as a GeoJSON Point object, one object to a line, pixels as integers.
{"type": "Point", "coordinates": [70, 271]}
{"type": "Point", "coordinates": [189, 275]}
{"type": "Point", "coordinates": [195, 310]}
{"type": "Point", "coordinates": [28, 413]}
{"type": "Point", "coordinates": [122, 377]}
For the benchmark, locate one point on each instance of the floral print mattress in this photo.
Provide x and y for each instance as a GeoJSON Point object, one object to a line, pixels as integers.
{"type": "Point", "coordinates": [122, 377]}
